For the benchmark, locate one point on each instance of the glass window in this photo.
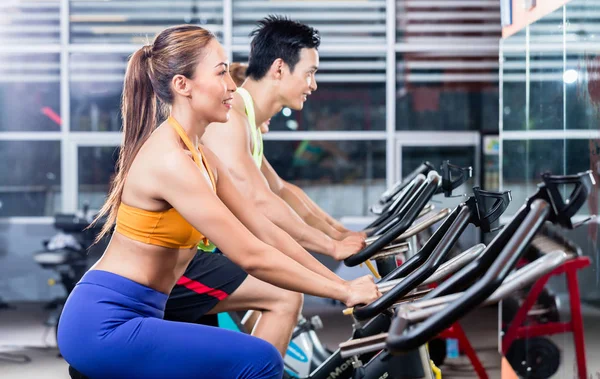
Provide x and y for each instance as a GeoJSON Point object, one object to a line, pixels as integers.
{"type": "Point", "coordinates": [337, 106]}
{"type": "Point", "coordinates": [30, 22]}
{"type": "Point", "coordinates": [440, 22]}
{"type": "Point", "coordinates": [524, 162]}
{"type": "Point", "coordinates": [137, 22]}
{"type": "Point", "coordinates": [413, 156]}
{"type": "Point", "coordinates": [343, 177]}
{"type": "Point", "coordinates": [447, 106]}
{"type": "Point", "coordinates": [582, 74]}
{"type": "Point", "coordinates": [582, 90]}
{"type": "Point", "coordinates": [546, 74]}
{"type": "Point", "coordinates": [96, 167]}
{"type": "Point", "coordinates": [514, 88]}
{"type": "Point", "coordinates": [29, 92]}
{"type": "Point", "coordinates": [463, 156]}
{"type": "Point", "coordinates": [447, 66]}
{"type": "Point", "coordinates": [31, 178]}
{"type": "Point", "coordinates": [347, 23]}
{"type": "Point", "coordinates": [96, 82]}
{"type": "Point", "coordinates": [350, 96]}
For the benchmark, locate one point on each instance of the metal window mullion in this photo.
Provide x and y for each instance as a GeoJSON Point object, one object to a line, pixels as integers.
{"type": "Point", "coordinates": [26, 220]}
{"type": "Point", "coordinates": [564, 83]}
{"type": "Point", "coordinates": [527, 95]}
{"type": "Point", "coordinates": [438, 138]}
{"type": "Point", "coordinates": [228, 27]}
{"type": "Point", "coordinates": [398, 152]}
{"type": "Point", "coordinates": [30, 136]}
{"type": "Point", "coordinates": [326, 136]}
{"type": "Point", "coordinates": [390, 91]}
{"type": "Point", "coordinates": [96, 138]}
{"type": "Point", "coordinates": [501, 62]}
{"type": "Point", "coordinates": [67, 158]}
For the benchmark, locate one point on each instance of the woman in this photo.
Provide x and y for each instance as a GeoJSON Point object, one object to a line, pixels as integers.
{"type": "Point", "coordinates": [165, 191]}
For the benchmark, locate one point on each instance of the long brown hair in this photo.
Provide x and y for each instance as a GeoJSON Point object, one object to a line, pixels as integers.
{"type": "Point", "coordinates": [175, 51]}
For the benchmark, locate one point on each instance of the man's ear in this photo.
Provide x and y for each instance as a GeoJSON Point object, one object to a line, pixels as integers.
{"type": "Point", "coordinates": [276, 70]}
{"type": "Point", "coordinates": [181, 85]}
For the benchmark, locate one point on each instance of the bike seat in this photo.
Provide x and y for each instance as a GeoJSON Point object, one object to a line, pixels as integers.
{"type": "Point", "coordinates": [50, 259]}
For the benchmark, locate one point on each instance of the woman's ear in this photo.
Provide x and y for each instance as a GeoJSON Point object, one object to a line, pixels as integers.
{"type": "Point", "coordinates": [181, 85]}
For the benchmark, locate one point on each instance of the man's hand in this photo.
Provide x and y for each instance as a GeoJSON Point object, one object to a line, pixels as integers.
{"type": "Point", "coordinates": [347, 247]}
{"type": "Point", "coordinates": [361, 291]}
{"type": "Point", "coordinates": [350, 233]}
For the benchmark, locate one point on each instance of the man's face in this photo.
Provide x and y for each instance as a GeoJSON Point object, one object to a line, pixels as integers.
{"type": "Point", "coordinates": [298, 85]}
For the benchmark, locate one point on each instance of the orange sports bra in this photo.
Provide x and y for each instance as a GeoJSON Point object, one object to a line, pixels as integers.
{"type": "Point", "coordinates": [163, 228]}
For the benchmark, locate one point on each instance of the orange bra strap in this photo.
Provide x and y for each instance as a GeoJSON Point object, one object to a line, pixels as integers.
{"type": "Point", "coordinates": [186, 140]}
{"type": "Point", "coordinates": [184, 137]}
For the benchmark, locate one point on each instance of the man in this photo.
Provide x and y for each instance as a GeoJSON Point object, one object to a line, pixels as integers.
{"type": "Point", "coordinates": [281, 73]}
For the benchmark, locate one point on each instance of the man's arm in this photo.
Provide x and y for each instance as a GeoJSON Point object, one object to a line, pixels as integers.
{"type": "Point", "coordinates": [283, 190]}
{"type": "Point", "coordinates": [289, 187]}
{"type": "Point", "coordinates": [230, 142]}
{"type": "Point", "coordinates": [261, 227]}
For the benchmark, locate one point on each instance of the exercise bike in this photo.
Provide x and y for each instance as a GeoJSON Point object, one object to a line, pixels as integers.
{"type": "Point", "coordinates": [488, 280]}
{"type": "Point", "coordinates": [66, 253]}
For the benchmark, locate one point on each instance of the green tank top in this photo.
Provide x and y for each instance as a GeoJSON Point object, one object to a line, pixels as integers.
{"type": "Point", "coordinates": [257, 141]}
{"type": "Point", "coordinates": [257, 146]}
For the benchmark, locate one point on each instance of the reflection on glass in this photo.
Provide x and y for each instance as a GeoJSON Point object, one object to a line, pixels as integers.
{"type": "Point", "coordinates": [546, 89]}
{"type": "Point", "coordinates": [583, 91]}
{"type": "Point", "coordinates": [443, 106]}
{"type": "Point", "coordinates": [350, 96]}
{"type": "Point", "coordinates": [431, 22]}
{"type": "Point", "coordinates": [413, 156]}
{"type": "Point", "coordinates": [335, 106]}
{"type": "Point", "coordinates": [96, 83]}
{"type": "Point", "coordinates": [96, 167]}
{"type": "Point", "coordinates": [441, 89]}
{"type": "Point", "coordinates": [349, 23]}
{"type": "Point", "coordinates": [30, 22]}
{"type": "Point", "coordinates": [343, 177]}
{"type": "Point", "coordinates": [513, 63]}
{"type": "Point", "coordinates": [137, 22]}
{"type": "Point", "coordinates": [546, 73]}
{"type": "Point", "coordinates": [526, 160]}
{"type": "Point", "coordinates": [29, 92]}
{"type": "Point", "coordinates": [583, 112]}
{"type": "Point", "coordinates": [30, 178]}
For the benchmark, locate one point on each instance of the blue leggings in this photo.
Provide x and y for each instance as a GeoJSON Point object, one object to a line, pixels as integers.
{"type": "Point", "coordinates": [112, 327]}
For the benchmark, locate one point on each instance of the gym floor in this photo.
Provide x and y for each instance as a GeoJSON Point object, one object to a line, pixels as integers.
{"type": "Point", "coordinates": [24, 326]}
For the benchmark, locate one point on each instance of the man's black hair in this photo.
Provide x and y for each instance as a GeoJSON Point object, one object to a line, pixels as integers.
{"type": "Point", "coordinates": [278, 37]}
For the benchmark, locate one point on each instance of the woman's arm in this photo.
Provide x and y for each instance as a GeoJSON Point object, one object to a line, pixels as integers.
{"type": "Point", "coordinates": [188, 192]}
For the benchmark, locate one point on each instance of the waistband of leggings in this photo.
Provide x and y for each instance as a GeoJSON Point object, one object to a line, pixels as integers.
{"type": "Point", "coordinates": [127, 287]}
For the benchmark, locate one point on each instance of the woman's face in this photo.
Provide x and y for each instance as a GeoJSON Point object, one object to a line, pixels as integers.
{"type": "Point", "coordinates": [212, 87]}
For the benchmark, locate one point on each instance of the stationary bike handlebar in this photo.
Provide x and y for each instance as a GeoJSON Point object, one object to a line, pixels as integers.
{"type": "Point", "coordinates": [521, 230]}
{"type": "Point", "coordinates": [420, 200]}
